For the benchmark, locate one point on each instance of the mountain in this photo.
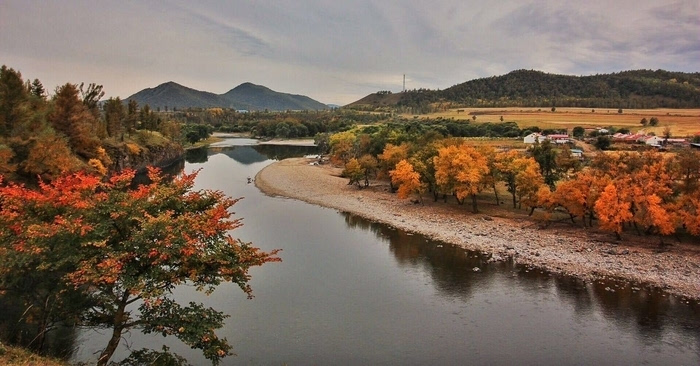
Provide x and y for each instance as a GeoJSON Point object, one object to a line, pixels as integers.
{"type": "Point", "coordinates": [529, 88]}
{"type": "Point", "coordinates": [245, 96]}
{"type": "Point", "coordinates": [261, 97]}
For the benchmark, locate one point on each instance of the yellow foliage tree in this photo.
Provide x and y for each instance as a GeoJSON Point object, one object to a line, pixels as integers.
{"type": "Point", "coordinates": [353, 171]}
{"type": "Point", "coordinates": [461, 170]}
{"type": "Point", "coordinates": [342, 147]}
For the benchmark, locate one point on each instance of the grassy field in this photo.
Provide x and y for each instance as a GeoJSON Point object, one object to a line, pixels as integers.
{"type": "Point", "coordinates": [683, 122]}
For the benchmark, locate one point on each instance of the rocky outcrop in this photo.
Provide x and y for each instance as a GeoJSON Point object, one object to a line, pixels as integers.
{"type": "Point", "coordinates": [138, 157]}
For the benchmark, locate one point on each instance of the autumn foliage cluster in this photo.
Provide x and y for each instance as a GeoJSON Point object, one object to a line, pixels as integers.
{"type": "Point", "coordinates": [649, 192]}
{"type": "Point", "coordinates": [71, 131]}
{"type": "Point", "coordinates": [85, 251]}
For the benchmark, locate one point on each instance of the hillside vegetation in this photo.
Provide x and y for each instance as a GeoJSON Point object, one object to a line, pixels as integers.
{"type": "Point", "coordinates": [528, 88]}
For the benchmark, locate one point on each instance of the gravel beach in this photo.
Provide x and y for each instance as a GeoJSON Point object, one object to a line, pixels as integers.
{"type": "Point", "coordinates": [560, 248]}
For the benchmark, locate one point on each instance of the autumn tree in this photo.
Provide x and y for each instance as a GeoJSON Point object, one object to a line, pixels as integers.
{"type": "Point", "coordinates": [388, 159]}
{"type": "Point", "coordinates": [687, 170]}
{"type": "Point", "coordinates": [579, 194]}
{"type": "Point", "coordinates": [342, 147]}
{"type": "Point", "coordinates": [612, 210]}
{"type": "Point", "coordinates": [688, 208]}
{"type": "Point", "coordinates": [354, 172]}
{"type": "Point", "coordinates": [74, 120]}
{"type": "Point", "coordinates": [493, 177]}
{"type": "Point", "coordinates": [120, 253]}
{"type": "Point", "coordinates": [369, 166]}
{"type": "Point", "coordinates": [423, 163]}
{"type": "Point", "coordinates": [461, 170]}
{"type": "Point", "coordinates": [521, 175]}
{"type": "Point", "coordinates": [408, 180]}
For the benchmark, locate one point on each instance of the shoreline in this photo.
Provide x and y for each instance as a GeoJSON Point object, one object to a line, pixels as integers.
{"type": "Point", "coordinates": [561, 249]}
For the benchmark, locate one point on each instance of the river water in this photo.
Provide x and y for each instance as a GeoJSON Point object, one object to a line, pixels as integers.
{"type": "Point", "coordinates": [358, 293]}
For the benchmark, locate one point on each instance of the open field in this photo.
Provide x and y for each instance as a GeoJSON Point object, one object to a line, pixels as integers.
{"type": "Point", "coordinates": [683, 122]}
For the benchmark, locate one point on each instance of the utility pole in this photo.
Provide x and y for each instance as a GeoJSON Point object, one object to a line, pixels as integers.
{"type": "Point", "coordinates": [404, 83]}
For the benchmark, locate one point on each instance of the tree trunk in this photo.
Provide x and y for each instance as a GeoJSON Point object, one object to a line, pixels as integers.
{"type": "Point", "coordinates": [495, 192]}
{"type": "Point", "coordinates": [474, 209]}
{"type": "Point", "coordinates": [515, 202]}
{"type": "Point", "coordinates": [119, 321]}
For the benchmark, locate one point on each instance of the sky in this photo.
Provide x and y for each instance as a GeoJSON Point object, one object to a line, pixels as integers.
{"type": "Point", "coordinates": [338, 51]}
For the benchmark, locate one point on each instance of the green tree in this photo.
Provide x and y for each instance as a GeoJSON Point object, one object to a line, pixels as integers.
{"type": "Point", "coordinates": [108, 247]}
{"type": "Point", "coordinates": [13, 101]}
{"type": "Point", "coordinates": [132, 116]}
{"type": "Point", "coordinates": [37, 89]}
{"type": "Point", "coordinates": [602, 142]}
{"type": "Point", "coordinates": [644, 121]}
{"type": "Point", "coordinates": [653, 121]}
{"type": "Point", "coordinates": [579, 132]}
{"type": "Point", "coordinates": [546, 157]}
{"type": "Point", "coordinates": [115, 116]}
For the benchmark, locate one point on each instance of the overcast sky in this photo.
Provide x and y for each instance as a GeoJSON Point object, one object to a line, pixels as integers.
{"type": "Point", "coordinates": [338, 51]}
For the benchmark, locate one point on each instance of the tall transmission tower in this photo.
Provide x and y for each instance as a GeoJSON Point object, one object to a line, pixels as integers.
{"type": "Point", "coordinates": [404, 83]}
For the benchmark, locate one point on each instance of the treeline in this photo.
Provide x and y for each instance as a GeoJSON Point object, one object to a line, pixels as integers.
{"type": "Point", "coordinates": [650, 192]}
{"type": "Point", "coordinates": [42, 136]}
{"type": "Point", "coordinates": [527, 88]}
{"type": "Point", "coordinates": [288, 124]}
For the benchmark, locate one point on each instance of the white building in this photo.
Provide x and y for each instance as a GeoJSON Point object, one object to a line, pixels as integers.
{"type": "Point", "coordinates": [533, 138]}
{"type": "Point", "coordinates": [654, 140]}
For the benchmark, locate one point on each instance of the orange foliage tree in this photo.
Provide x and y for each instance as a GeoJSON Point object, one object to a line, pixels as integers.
{"type": "Point", "coordinates": [98, 253]}
{"type": "Point", "coordinates": [612, 210]}
{"type": "Point", "coordinates": [407, 180]}
{"type": "Point", "coordinates": [388, 159]}
{"type": "Point", "coordinates": [579, 194]}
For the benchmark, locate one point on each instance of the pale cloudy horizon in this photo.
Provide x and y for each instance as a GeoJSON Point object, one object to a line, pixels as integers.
{"type": "Point", "coordinates": [338, 52]}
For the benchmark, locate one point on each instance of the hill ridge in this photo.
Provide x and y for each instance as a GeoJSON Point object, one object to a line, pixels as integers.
{"type": "Point", "coordinates": [246, 96]}
{"type": "Point", "coordinates": [531, 88]}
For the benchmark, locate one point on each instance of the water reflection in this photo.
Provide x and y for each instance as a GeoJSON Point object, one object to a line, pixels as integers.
{"type": "Point", "coordinates": [248, 154]}
{"type": "Point", "coordinates": [457, 272]}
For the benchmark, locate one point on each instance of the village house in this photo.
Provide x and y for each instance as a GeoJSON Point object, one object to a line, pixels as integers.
{"type": "Point", "coordinates": [558, 139]}
{"type": "Point", "coordinates": [654, 140]}
{"type": "Point", "coordinates": [533, 138]}
{"type": "Point", "coordinates": [537, 137]}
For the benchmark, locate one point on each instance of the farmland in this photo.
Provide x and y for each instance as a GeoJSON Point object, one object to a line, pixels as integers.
{"type": "Point", "coordinates": [683, 122]}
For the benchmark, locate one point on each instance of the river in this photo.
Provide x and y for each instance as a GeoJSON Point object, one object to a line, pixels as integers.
{"type": "Point", "coordinates": [358, 293]}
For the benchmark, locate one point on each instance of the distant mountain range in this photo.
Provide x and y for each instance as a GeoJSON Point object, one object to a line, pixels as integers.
{"type": "Point", "coordinates": [529, 88]}
{"type": "Point", "coordinates": [246, 96]}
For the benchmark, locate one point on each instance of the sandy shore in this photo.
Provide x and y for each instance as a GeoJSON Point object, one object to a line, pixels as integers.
{"type": "Point", "coordinates": [293, 142]}
{"type": "Point", "coordinates": [561, 248]}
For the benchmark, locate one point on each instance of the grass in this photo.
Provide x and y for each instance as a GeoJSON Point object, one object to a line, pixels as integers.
{"type": "Point", "coordinates": [15, 356]}
{"type": "Point", "coordinates": [683, 122]}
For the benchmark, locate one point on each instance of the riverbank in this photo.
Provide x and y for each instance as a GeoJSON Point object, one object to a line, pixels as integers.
{"type": "Point", "coordinates": [562, 248]}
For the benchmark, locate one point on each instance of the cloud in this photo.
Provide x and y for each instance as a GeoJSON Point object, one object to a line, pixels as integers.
{"type": "Point", "coordinates": [338, 52]}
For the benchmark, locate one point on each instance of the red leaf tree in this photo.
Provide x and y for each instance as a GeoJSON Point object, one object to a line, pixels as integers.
{"type": "Point", "coordinates": [103, 254]}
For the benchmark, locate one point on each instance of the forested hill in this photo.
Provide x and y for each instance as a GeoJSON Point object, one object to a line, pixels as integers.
{"type": "Point", "coordinates": [528, 88]}
{"type": "Point", "coordinates": [245, 96]}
